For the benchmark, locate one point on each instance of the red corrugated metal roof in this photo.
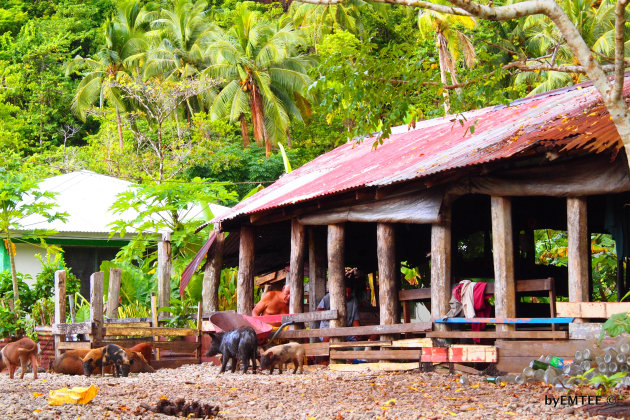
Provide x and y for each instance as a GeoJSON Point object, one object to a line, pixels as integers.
{"type": "Point", "coordinates": [574, 115]}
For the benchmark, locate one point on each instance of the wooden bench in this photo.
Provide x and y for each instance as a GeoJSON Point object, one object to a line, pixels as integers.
{"type": "Point", "coordinates": [364, 330]}
{"type": "Point", "coordinates": [522, 287]}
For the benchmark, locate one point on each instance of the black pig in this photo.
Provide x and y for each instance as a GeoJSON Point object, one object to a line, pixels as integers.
{"type": "Point", "coordinates": [239, 344]}
{"type": "Point", "coordinates": [116, 356]}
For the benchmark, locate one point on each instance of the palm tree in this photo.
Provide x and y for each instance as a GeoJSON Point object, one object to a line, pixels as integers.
{"type": "Point", "coordinates": [123, 53]}
{"type": "Point", "coordinates": [594, 19]}
{"type": "Point", "coordinates": [264, 72]}
{"type": "Point", "coordinates": [320, 20]}
{"type": "Point", "coordinates": [449, 43]}
{"type": "Point", "coordinates": [182, 37]}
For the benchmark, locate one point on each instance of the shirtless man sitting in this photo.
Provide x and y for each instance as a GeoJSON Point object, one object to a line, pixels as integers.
{"type": "Point", "coordinates": [273, 302]}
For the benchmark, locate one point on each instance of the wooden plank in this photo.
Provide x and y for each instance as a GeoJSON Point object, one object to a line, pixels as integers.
{"type": "Point", "coordinates": [336, 274]}
{"type": "Point", "coordinates": [577, 249]}
{"type": "Point", "coordinates": [316, 349]}
{"type": "Point", "coordinates": [164, 269]}
{"type": "Point", "coordinates": [245, 278]}
{"type": "Point", "coordinates": [415, 294]}
{"type": "Point", "coordinates": [434, 354]}
{"type": "Point", "coordinates": [113, 292]}
{"type": "Point", "coordinates": [127, 324]}
{"type": "Point", "coordinates": [472, 354]}
{"type": "Point", "coordinates": [388, 275]}
{"type": "Point", "coordinates": [146, 319]}
{"type": "Point", "coordinates": [591, 309]}
{"type": "Point", "coordinates": [375, 354]}
{"type": "Point", "coordinates": [296, 267]}
{"type": "Point", "coordinates": [274, 277]}
{"type": "Point", "coordinates": [496, 334]}
{"type": "Point", "coordinates": [375, 367]}
{"type": "Point", "coordinates": [76, 328]}
{"type": "Point", "coordinates": [96, 304]}
{"type": "Point", "coordinates": [441, 250]}
{"type": "Point", "coordinates": [413, 342]}
{"type": "Point", "coordinates": [560, 348]}
{"type": "Point", "coordinates": [149, 331]}
{"type": "Point", "coordinates": [347, 344]}
{"type": "Point", "coordinates": [316, 268]}
{"type": "Point", "coordinates": [503, 259]}
{"type": "Point", "coordinates": [505, 320]}
{"type": "Point", "coordinates": [212, 273]}
{"type": "Point", "coordinates": [60, 306]}
{"type": "Point", "coordinates": [73, 345]}
{"type": "Point", "coordinates": [466, 369]}
{"type": "Point", "coordinates": [365, 330]}
{"type": "Point", "coordinates": [311, 316]}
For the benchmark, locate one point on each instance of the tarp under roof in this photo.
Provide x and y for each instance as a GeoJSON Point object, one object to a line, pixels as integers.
{"type": "Point", "coordinates": [569, 117]}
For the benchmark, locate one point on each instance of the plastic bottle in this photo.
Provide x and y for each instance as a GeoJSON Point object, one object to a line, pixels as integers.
{"type": "Point", "coordinates": [528, 372]}
{"type": "Point", "coordinates": [539, 374]}
{"type": "Point", "coordinates": [520, 379]}
{"type": "Point", "coordinates": [624, 348]}
{"type": "Point", "coordinates": [602, 368]}
{"type": "Point", "coordinates": [587, 364]}
{"type": "Point", "coordinates": [586, 353]}
{"type": "Point", "coordinates": [612, 368]}
{"type": "Point", "coordinates": [492, 379]}
{"type": "Point", "coordinates": [463, 380]}
{"type": "Point", "coordinates": [572, 369]}
{"type": "Point", "coordinates": [578, 357]}
{"type": "Point", "coordinates": [610, 355]}
{"type": "Point", "coordinates": [621, 358]}
{"type": "Point", "coordinates": [537, 364]}
{"type": "Point", "coordinates": [557, 362]}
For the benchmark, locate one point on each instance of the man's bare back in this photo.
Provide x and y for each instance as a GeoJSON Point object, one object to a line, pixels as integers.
{"type": "Point", "coordinates": [273, 302]}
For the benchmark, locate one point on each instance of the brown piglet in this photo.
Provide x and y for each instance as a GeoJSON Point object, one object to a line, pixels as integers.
{"type": "Point", "coordinates": [20, 353]}
{"type": "Point", "coordinates": [277, 355]}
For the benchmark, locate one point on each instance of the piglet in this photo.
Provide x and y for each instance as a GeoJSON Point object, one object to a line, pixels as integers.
{"type": "Point", "coordinates": [116, 356]}
{"type": "Point", "coordinates": [236, 344]}
{"type": "Point", "coordinates": [284, 353]}
{"type": "Point", "coordinates": [20, 353]}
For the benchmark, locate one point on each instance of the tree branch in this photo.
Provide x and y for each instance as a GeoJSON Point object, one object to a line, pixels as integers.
{"type": "Point", "coordinates": [620, 24]}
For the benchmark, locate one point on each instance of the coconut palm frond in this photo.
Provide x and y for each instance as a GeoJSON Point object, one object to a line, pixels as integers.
{"type": "Point", "coordinates": [222, 104]}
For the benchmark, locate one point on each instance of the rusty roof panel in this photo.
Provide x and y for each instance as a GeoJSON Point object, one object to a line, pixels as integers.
{"type": "Point", "coordinates": [571, 117]}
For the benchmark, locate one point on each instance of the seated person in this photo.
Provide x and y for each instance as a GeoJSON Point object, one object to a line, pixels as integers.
{"type": "Point", "coordinates": [273, 302]}
{"type": "Point", "coordinates": [352, 311]}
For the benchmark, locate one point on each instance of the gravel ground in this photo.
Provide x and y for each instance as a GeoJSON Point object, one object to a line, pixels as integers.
{"type": "Point", "coordinates": [317, 393]}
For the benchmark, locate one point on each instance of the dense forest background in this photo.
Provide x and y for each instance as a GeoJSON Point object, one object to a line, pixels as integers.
{"type": "Point", "coordinates": [199, 100]}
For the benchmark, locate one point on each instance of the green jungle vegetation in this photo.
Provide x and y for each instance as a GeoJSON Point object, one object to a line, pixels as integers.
{"type": "Point", "coordinates": [192, 100]}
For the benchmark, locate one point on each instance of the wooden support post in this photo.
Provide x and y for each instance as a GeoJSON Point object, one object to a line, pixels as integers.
{"type": "Point", "coordinates": [387, 276]}
{"type": "Point", "coordinates": [245, 279]}
{"type": "Point", "coordinates": [96, 307]}
{"type": "Point", "coordinates": [164, 270]}
{"type": "Point", "coordinates": [503, 256]}
{"type": "Point", "coordinates": [212, 275]}
{"type": "Point", "coordinates": [577, 253]}
{"type": "Point", "coordinates": [155, 322]}
{"type": "Point", "coordinates": [296, 267]}
{"type": "Point", "coordinates": [441, 267]}
{"type": "Point", "coordinates": [316, 269]}
{"type": "Point", "coordinates": [60, 306]}
{"type": "Point", "coordinates": [199, 325]}
{"type": "Point", "coordinates": [113, 292]}
{"type": "Point", "coordinates": [336, 275]}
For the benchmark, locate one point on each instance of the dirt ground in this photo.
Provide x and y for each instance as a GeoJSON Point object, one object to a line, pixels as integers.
{"type": "Point", "coordinates": [318, 393]}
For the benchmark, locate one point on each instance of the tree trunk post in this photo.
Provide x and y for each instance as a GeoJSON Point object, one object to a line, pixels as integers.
{"type": "Point", "coordinates": [387, 276]}
{"type": "Point", "coordinates": [96, 307]}
{"type": "Point", "coordinates": [296, 267]}
{"type": "Point", "coordinates": [577, 252]}
{"type": "Point", "coordinates": [316, 269]}
{"type": "Point", "coordinates": [441, 267]}
{"type": "Point", "coordinates": [336, 276]}
{"type": "Point", "coordinates": [164, 270]}
{"type": "Point", "coordinates": [503, 255]}
{"type": "Point", "coordinates": [245, 279]}
{"type": "Point", "coordinates": [113, 292]}
{"type": "Point", "coordinates": [60, 306]}
{"type": "Point", "coordinates": [212, 275]}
